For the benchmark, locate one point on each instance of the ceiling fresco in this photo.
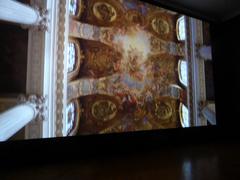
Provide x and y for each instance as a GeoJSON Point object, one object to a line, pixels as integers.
{"type": "Point", "coordinates": [108, 66]}
{"type": "Point", "coordinates": [130, 58]}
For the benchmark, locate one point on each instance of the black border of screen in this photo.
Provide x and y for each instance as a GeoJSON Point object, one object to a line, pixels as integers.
{"type": "Point", "coordinates": [60, 149]}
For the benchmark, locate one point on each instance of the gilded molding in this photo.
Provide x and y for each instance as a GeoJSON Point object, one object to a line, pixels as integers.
{"type": "Point", "coordinates": [61, 71]}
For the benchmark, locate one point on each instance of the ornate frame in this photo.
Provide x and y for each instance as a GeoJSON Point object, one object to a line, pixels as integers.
{"type": "Point", "coordinates": [92, 19]}
{"type": "Point", "coordinates": [166, 17]}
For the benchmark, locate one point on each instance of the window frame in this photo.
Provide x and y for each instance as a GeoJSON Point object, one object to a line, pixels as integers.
{"type": "Point", "coordinates": [182, 120]}
{"type": "Point", "coordinates": [78, 60]}
{"type": "Point", "coordinates": [180, 72]}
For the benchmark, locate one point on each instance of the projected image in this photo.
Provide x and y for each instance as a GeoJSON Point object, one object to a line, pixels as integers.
{"type": "Point", "coordinates": [113, 66]}
{"type": "Point", "coordinates": [137, 70]}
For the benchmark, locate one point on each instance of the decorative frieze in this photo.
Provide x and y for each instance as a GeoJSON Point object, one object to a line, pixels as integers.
{"type": "Point", "coordinates": [61, 66]}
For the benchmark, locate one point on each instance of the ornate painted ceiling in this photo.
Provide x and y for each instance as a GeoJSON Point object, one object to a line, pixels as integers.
{"type": "Point", "coordinates": [128, 53]}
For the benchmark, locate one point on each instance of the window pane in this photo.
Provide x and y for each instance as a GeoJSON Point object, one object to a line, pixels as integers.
{"type": "Point", "coordinates": [70, 116]}
{"type": "Point", "coordinates": [183, 76]}
{"type": "Point", "coordinates": [181, 29]}
{"type": "Point", "coordinates": [184, 116]}
{"type": "Point", "coordinates": [73, 7]}
{"type": "Point", "coordinates": [71, 57]}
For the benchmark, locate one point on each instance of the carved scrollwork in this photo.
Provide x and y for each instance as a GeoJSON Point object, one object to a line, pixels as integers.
{"type": "Point", "coordinates": [39, 102]}
{"type": "Point", "coordinates": [43, 19]}
{"type": "Point", "coordinates": [42, 22]}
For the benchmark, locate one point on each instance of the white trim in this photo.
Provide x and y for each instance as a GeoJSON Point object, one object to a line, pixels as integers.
{"type": "Point", "coordinates": [35, 72]}
{"type": "Point", "coordinates": [65, 127]}
{"type": "Point", "coordinates": [198, 75]}
{"type": "Point", "coordinates": [41, 71]}
{"type": "Point", "coordinates": [49, 63]}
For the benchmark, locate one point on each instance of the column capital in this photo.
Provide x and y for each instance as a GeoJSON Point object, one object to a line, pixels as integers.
{"type": "Point", "coordinates": [35, 16]}
{"type": "Point", "coordinates": [43, 18]}
{"type": "Point", "coordinates": [39, 102]}
{"type": "Point", "coordinates": [42, 23]}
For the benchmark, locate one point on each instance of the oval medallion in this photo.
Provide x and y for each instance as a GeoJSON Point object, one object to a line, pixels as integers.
{"type": "Point", "coordinates": [160, 26]}
{"type": "Point", "coordinates": [104, 12]}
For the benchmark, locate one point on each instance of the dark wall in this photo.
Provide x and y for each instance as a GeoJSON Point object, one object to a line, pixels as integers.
{"type": "Point", "coordinates": [225, 38]}
{"type": "Point", "coordinates": [232, 9]}
{"type": "Point", "coordinates": [13, 58]}
{"type": "Point", "coordinates": [210, 8]}
{"type": "Point", "coordinates": [219, 10]}
{"type": "Point", "coordinates": [204, 161]}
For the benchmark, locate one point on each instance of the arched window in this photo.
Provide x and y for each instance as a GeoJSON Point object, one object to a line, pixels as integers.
{"type": "Point", "coordinates": [73, 113]}
{"type": "Point", "coordinates": [70, 116]}
{"type": "Point", "coordinates": [73, 7]}
{"type": "Point", "coordinates": [71, 56]}
{"type": "Point", "coordinates": [181, 30]}
{"type": "Point", "coordinates": [182, 72]}
{"type": "Point", "coordinates": [184, 115]}
{"type": "Point", "coordinates": [74, 58]}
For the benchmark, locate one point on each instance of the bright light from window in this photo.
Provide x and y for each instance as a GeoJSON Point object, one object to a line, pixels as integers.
{"type": "Point", "coordinates": [184, 116]}
{"type": "Point", "coordinates": [181, 31]}
{"type": "Point", "coordinates": [71, 57]}
{"type": "Point", "coordinates": [73, 7]}
{"type": "Point", "coordinates": [182, 72]}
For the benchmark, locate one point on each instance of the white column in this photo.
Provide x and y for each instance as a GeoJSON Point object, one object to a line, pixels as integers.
{"type": "Point", "coordinates": [12, 120]}
{"type": "Point", "coordinates": [205, 52]}
{"type": "Point", "coordinates": [16, 12]}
